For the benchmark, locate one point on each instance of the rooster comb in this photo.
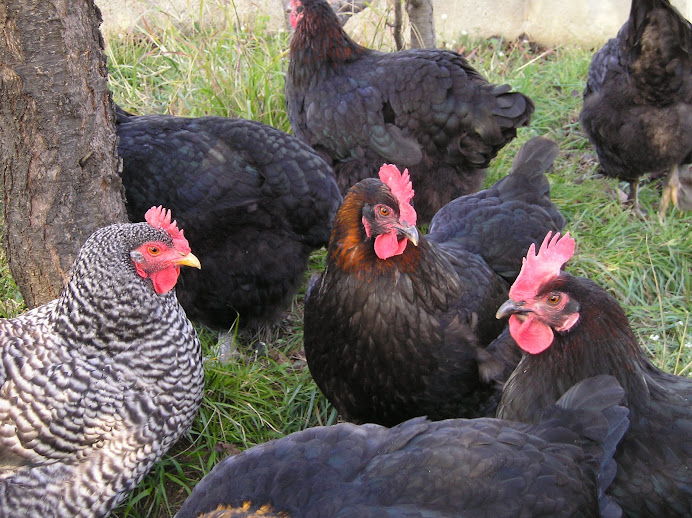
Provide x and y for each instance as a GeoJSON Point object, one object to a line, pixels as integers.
{"type": "Point", "coordinates": [160, 218]}
{"type": "Point", "coordinates": [540, 267]}
{"type": "Point", "coordinates": [400, 185]}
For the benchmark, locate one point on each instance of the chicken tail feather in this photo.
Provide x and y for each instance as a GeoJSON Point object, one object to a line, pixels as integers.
{"type": "Point", "coordinates": [592, 409]}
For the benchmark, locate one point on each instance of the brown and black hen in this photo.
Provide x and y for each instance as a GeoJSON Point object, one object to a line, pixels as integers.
{"type": "Point", "coordinates": [424, 109]}
{"type": "Point", "coordinates": [398, 324]}
{"type": "Point", "coordinates": [482, 468]}
{"type": "Point", "coordinates": [571, 330]}
{"type": "Point", "coordinates": [637, 109]}
{"type": "Point", "coordinates": [255, 202]}
{"type": "Point", "coordinates": [97, 385]}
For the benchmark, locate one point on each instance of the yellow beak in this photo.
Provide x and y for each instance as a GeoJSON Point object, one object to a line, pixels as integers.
{"type": "Point", "coordinates": [188, 260]}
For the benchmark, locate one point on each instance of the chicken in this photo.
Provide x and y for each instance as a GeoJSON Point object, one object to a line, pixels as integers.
{"type": "Point", "coordinates": [97, 385]}
{"type": "Point", "coordinates": [637, 109]}
{"type": "Point", "coordinates": [255, 201]}
{"type": "Point", "coordinates": [572, 329]}
{"type": "Point", "coordinates": [458, 467]}
{"type": "Point", "coordinates": [394, 331]}
{"type": "Point", "coordinates": [678, 189]}
{"type": "Point", "coordinates": [424, 109]}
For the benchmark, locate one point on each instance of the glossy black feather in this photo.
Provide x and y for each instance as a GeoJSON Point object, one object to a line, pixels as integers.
{"type": "Point", "coordinates": [388, 340]}
{"type": "Point", "coordinates": [475, 468]}
{"type": "Point", "coordinates": [519, 202]}
{"type": "Point", "coordinates": [638, 99]}
{"type": "Point", "coordinates": [254, 201]}
{"type": "Point", "coordinates": [424, 109]}
{"type": "Point", "coordinates": [654, 457]}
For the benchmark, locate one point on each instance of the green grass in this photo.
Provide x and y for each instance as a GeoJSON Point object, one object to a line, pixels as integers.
{"type": "Point", "coordinates": [238, 71]}
{"type": "Point", "coordinates": [201, 70]}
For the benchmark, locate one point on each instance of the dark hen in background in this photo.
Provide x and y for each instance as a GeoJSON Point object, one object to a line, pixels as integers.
{"type": "Point", "coordinates": [571, 330]}
{"type": "Point", "coordinates": [97, 385]}
{"type": "Point", "coordinates": [254, 200]}
{"type": "Point", "coordinates": [394, 331]}
{"type": "Point", "coordinates": [427, 109]}
{"type": "Point", "coordinates": [637, 109]}
{"type": "Point", "coordinates": [459, 467]}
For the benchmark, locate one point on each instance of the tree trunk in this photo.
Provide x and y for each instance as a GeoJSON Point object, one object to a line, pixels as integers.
{"type": "Point", "coordinates": [58, 155]}
{"type": "Point", "coordinates": [420, 16]}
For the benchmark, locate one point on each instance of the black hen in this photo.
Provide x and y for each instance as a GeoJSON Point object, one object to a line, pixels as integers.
{"type": "Point", "coordinates": [572, 329]}
{"type": "Point", "coordinates": [475, 468]}
{"type": "Point", "coordinates": [425, 109]}
{"type": "Point", "coordinates": [255, 201]}
{"type": "Point", "coordinates": [638, 99]}
{"type": "Point", "coordinates": [395, 331]}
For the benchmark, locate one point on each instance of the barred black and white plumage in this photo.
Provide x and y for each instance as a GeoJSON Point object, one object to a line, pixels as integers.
{"type": "Point", "coordinates": [98, 384]}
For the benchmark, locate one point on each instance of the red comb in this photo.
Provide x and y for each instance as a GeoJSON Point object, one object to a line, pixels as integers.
{"type": "Point", "coordinates": [400, 185]}
{"type": "Point", "coordinates": [540, 267]}
{"type": "Point", "coordinates": [160, 218]}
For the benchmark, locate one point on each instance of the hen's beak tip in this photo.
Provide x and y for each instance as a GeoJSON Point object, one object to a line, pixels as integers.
{"type": "Point", "coordinates": [508, 308]}
{"type": "Point", "coordinates": [189, 259]}
{"type": "Point", "coordinates": [411, 233]}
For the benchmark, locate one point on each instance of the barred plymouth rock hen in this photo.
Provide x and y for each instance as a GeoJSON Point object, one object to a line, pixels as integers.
{"type": "Point", "coordinates": [424, 109]}
{"type": "Point", "coordinates": [254, 200]}
{"type": "Point", "coordinates": [458, 467]}
{"type": "Point", "coordinates": [638, 100]}
{"type": "Point", "coordinates": [572, 329]}
{"type": "Point", "coordinates": [394, 331]}
{"type": "Point", "coordinates": [97, 385]}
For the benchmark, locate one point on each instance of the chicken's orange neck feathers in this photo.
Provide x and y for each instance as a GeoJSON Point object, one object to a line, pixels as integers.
{"type": "Point", "coordinates": [353, 252]}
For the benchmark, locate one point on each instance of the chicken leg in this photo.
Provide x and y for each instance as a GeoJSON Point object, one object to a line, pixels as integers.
{"type": "Point", "coordinates": [677, 189]}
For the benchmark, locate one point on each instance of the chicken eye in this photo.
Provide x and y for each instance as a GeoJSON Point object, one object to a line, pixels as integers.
{"type": "Point", "coordinates": [154, 250]}
{"type": "Point", "coordinates": [554, 299]}
{"type": "Point", "coordinates": [384, 211]}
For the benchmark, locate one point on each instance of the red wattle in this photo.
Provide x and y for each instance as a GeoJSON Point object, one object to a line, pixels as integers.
{"type": "Point", "coordinates": [532, 335]}
{"type": "Point", "coordinates": [164, 281]}
{"type": "Point", "coordinates": [388, 245]}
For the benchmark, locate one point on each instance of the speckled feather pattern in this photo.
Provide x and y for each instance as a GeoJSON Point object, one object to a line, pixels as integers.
{"type": "Point", "coordinates": [254, 202]}
{"type": "Point", "coordinates": [96, 386]}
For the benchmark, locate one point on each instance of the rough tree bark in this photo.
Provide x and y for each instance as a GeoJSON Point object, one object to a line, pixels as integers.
{"type": "Point", "coordinates": [58, 155]}
{"type": "Point", "coordinates": [420, 16]}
